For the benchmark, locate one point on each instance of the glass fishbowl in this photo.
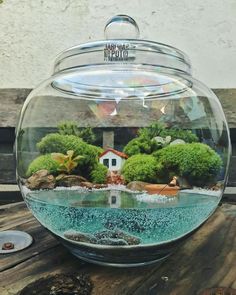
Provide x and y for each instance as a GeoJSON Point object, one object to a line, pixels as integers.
{"type": "Point", "coordinates": [121, 153]}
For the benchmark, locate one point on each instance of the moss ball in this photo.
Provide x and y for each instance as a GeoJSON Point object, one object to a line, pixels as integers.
{"type": "Point", "coordinates": [141, 167]}
{"type": "Point", "coordinates": [197, 162]}
{"type": "Point", "coordinates": [43, 162]}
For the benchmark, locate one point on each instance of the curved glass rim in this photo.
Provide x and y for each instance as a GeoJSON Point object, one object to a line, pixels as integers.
{"type": "Point", "coordinates": [144, 45]}
{"type": "Point", "coordinates": [64, 83]}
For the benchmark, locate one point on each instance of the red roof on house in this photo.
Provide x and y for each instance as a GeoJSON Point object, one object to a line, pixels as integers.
{"type": "Point", "coordinates": [118, 153]}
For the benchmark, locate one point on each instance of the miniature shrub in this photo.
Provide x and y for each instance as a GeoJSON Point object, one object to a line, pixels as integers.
{"type": "Point", "coordinates": [43, 162]}
{"type": "Point", "coordinates": [58, 143]}
{"type": "Point", "coordinates": [67, 163]}
{"type": "Point", "coordinates": [141, 167]}
{"type": "Point", "coordinates": [71, 128]}
{"type": "Point", "coordinates": [139, 145]}
{"type": "Point", "coordinates": [196, 162]}
{"type": "Point", "coordinates": [152, 130]}
{"type": "Point", "coordinates": [144, 143]}
{"type": "Point", "coordinates": [99, 174]}
{"type": "Point", "coordinates": [159, 129]}
{"type": "Point", "coordinates": [68, 128]}
{"type": "Point", "coordinates": [87, 135]}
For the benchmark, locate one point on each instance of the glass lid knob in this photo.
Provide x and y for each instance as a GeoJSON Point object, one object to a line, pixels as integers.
{"type": "Point", "coordinates": [121, 27]}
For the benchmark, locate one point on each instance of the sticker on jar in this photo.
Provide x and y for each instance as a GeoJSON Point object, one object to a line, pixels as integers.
{"type": "Point", "coordinates": [118, 52]}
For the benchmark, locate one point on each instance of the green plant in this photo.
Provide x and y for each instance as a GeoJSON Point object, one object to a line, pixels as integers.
{"type": "Point", "coordinates": [87, 135]}
{"type": "Point", "coordinates": [99, 174]}
{"type": "Point", "coordinates": [146, 143]}
{"type": "Point", "coordinates": [67, 163]}
{"type": "Point", "coordinates": [71, 128]}
{"type": "Point", "coordinates": [68, 128]}
{"type": "Point", "coordinates": [196, 162]}
{"type": "Point", "coordinates": [152, 130]}
{"type": "Point", "coordinates": [139, 145]}
{"type": "Point", "coordinates": [141, 167]}
{"type": "Point", "coordinates": [43, 162]}
{"type": "Point", "coordinates": [58, 143]}
{"type": "Point", "coordinates": [159, 129]}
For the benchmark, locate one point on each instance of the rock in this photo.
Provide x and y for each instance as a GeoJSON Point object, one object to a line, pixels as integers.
{"type": "Point", "coordinates": [161, 141]}
{"type": "Point", "coordinates": [118, 235]}
{"type": "Point", "coordinates": [112, 242]}
{"type": "Point", "coordinates": [217, 186]}
{"type": "Point", "coordinates": [130, 239]}
{"type": "Point", "coordinates": [91, 185]}
{"type": "Point", "coordinates": [69, 180]}
{"type": "Point", "coordinates": [114, 177]}
{"type": "Point", "coordinates": [86, 184]}
{"type": "Point", "coordinates": [80, 236]}
{"type": "Point", "coordinates": [137, 185]}
{"type": "Point", "coordinates": [105, 237]}
{"type": "Point", "coordinates": [105, 234]}
{"type": "Point", "coordinates": [177, 141]}
{"type": "Point", "coordinates": [100, 185]}
{"type": "Point", "coordinates": [183, 183]}
{"type": "Point", "coordinates": [41, 180]}
{"type": "Point", "coordinates": [168, 139]}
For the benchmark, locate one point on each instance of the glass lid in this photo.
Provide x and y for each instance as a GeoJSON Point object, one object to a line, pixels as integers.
{"type": "Point", "coordinates": [122, 65]}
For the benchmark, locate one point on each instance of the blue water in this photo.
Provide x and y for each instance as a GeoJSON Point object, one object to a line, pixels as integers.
{"type": "Point", "coordinates": [91, 212]}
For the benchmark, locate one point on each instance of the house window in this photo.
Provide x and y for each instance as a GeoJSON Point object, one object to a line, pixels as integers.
{"type": "Point", "coordinates": [113, 162]}
{"type": "Point", "coordinates": [113, 200]}
{"type": "Point", "coordinates": [106, 162]}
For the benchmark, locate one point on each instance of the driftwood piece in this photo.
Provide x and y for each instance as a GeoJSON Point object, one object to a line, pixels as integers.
{"type": "Point", "coordinates": [206, 260]}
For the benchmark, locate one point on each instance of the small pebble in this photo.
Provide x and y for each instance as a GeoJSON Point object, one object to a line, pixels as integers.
{"type": "Point", "coordinates": [8, 246]}
{"type": "Point", "coordinates": [80, 237]}
{"type": "Point", "coordinates": [112, 242]}
{"type": "Point", "coordinates": [105, 237]}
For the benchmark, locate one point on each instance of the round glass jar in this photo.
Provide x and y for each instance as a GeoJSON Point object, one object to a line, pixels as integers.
{"type": "Point", "coordinates": [121, 153]}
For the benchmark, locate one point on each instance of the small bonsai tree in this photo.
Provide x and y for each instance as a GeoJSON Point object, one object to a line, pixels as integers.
{"type": "Point", "coordinates": [87, 135]}
{"type": "Point", "coordinates": [68, 128]}
{"type": "Point", "coordinates": [196, 162]}
{"type": "Point", "coordinates": [71, 128]}
{"type": "Point", "coordinates": [152, 130]}
{"type": "Point", "coordinates": [43, 162]}
{"type": "Point", "coordinates": [99, 174]}
{"type": "Point", "coordinates": [67, 163]}
{"type": "Point", "coordinates": [141, 167]}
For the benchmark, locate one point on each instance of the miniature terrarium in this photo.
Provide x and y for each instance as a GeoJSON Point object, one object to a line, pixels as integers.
{"type": "Point", "coordinates": [121, 153]}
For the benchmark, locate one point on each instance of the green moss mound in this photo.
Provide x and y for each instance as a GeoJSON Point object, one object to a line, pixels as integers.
{"type": "Point", "coordinates": [140, 145]}
{"type": "Point", "coordinates": [59, 143]}
{"type": "Point", "coordinates": [141, 167]}
{"type": "Point", "coordinates": [196, 162]}
{"type": "Point", "coordinates": [99, 174]}
{"type": "Point", "coordinates": [43, 162]}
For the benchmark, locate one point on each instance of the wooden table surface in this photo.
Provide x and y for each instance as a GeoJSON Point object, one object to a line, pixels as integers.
{"type": "Point", "coordinates": [207, 259]}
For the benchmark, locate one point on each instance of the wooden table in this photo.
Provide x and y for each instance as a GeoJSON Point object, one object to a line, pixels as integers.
{"type": "Point", "coordinates": [207, 259]}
